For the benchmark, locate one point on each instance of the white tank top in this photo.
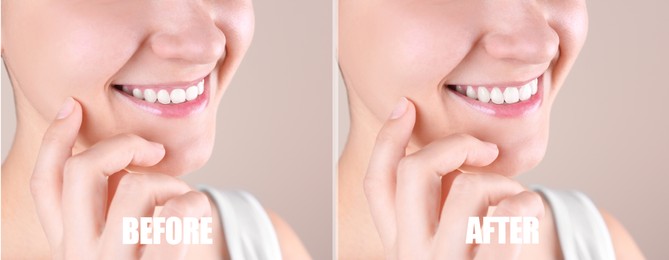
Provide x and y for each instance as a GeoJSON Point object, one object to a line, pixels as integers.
{"type": "Point", "coordinates": [581, 229]}
{"type": "Point", "coordinates": [249, 233]}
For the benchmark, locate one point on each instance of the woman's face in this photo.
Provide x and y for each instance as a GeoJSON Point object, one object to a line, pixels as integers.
{"type": "Point", "coordinates": [424, 49]}
{"type": "Point", "coordinates": [91, 50]}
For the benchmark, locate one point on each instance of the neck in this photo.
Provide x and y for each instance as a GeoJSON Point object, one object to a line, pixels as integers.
{"type": "Point", "coordinates": [355, 156]}
{"type": "Point", "coordinates": [357, 236]}
{"type": "Point", "coordinates": [28, 238]}
{"type": "Point", "coordinates": [18, 208]}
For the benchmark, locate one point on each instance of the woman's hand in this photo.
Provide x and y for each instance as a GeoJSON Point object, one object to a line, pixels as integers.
{"type": "Point", "coordinates": [404, 193]}
{"type": "Point", "coordinates": [70, 193]}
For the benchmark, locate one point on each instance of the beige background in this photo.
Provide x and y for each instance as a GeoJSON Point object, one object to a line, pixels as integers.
{"type": "Point", "coordinates": [274, 126]}
{"type": "Point", "coordinates": [610, 123]}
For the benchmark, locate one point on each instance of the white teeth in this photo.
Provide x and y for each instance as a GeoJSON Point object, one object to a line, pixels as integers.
{"type": "Point", "coordinates": [496, 96]}
{"type": "Point", "coordinates": [471, 92]}
{"type": "Point", "coordinates": [191, 93]}
{"type": "Point", "coordinates": [525, 93]}
{"type": "Point", "coordinates": [137, 93]}
{"type": "Point", "coordinates": [200, 87]}
{"type": "Point", "coordinates": [460, 89]}
{"type": "Point", "coordinates": [483, 94]}
{"type": "Point", "coordinates": [150, 95]}
{"type": "Point", "coordinates": [174, 96]}
{"type": "Point", "coordinates": [505, 95]}
{"type": "Point", "coordinates": [163, 97]}
{"type": "Point", "coordinates": [511, 95]}
{"type": "Point", "coordinates": [178, 96]}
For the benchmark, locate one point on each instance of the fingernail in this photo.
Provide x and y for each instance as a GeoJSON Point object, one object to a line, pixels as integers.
{"type": "Point", "coordinates": [400, 108]}
{"type": "Point", "coordinates": [491, 146]}
{"type": "Point", "coordinates": [66, 108]}
{"type": "Point", "coordinates": [158, 146]}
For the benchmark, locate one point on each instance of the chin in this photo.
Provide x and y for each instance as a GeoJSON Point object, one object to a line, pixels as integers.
{"type": "Point", "coordinates": [514, 160]}
{"type": "Point", "coordinates": [181, 160]}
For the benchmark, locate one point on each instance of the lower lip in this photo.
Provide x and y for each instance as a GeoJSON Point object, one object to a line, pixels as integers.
{"type": "Point", "coordinates": [171, 110]}
{"type": "Point", "coordinates": [506, 110]}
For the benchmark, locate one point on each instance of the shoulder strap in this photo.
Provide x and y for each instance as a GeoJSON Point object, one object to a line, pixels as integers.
{"type": "Point", "coordinates": [581, 229]}
{"type": "Point", "coordinates": [249, 233]}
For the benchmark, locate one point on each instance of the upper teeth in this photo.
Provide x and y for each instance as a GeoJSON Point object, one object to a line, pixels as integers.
{"type": "Point", "coordinates": [510, 95]}
{"type": "Point", "coordinates": [174, 96]}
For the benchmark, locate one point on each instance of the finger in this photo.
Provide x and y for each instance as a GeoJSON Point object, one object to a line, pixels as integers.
{"type": "Point", "coordinates": [524, 204]}
{"type": "Point", "coordinates": [379, 181]}
{"type": "Point", "coordinates": [136, 196]}
{"type": "Point", "coordinates": [192, 204]}
{"type": "Point", "coordinates": [419, 184]}
{"type": "Point", "coordinates": [469, 195]}
{"type": "Point", "coordinates": [113, 182]}
{"type": "Point", "coordinates": [47, 178]}
{"type": "Point", "coordinates": [85, 182]}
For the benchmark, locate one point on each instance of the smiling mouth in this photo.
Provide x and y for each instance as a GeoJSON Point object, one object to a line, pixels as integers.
{"type": "Point", "coordinates": [166, 95]}
{"type": "Point", "coordinates": [172, 100]}
{"type": "Point", "coordinates": [498, 95]}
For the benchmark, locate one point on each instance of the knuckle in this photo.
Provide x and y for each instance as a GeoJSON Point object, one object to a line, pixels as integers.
{"type": "Point", "coordinates": [201, 198]}
{"type": "Point", "coordinates": [464, 137]}
{"type": "Point", "coordinates": [537, 203]}
{"type": "Point", "coordinates": [384, 137]}
{"type": "Point", "coordinates": [371, 185]}
{"type": "Point", "coordinates": [466, 183]}
{"type": "Point", "coordinates": [407, 164]}
{"type": "Point", "coordinates": [526, 203]}
{"type": "Point", "coordinates": [404, 168]}
{"type": "Point", "coordinates": [179, 208]}
{"type": "Point", "coordinates": [510, 208]}
{"type": "Point", "coordinates": [204, 204]}
{"type": "Point", "coordinates": [130, 138]}
{"type": "Point", "coordinates": [174, 182]}
{"type": "Point", "coordinates": [73, 165]}
{"type": "Point", "coordinates": [131, 182]}
{"type": "Point", "coordinates": [50, 137]}
{"type": "Point", "coordinates": [38, 184]}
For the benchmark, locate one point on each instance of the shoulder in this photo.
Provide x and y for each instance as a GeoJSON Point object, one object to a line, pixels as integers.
{"type": "Point", "coordinates": [582, 215]}
{"type": "Point", "coordinates": [291, 245]}
{"type": "Point", "coordinates": [623, 243]}
{"type": "Point", "coordinates": [241, 212]}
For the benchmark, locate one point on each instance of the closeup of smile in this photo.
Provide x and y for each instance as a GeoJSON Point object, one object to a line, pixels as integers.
{"type": "Point", "coordinates": [500, 100]}
{"type": "Point", "coordinates": [169, 100]}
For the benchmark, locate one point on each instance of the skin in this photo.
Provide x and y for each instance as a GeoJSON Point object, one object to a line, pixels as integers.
{"type": "Point", "coordinates": [78, 145]}
{"type": "Point", "coordinates": [408, 181]}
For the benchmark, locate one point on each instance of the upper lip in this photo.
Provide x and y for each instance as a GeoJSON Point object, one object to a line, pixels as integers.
{"type": "Point", "coordinates": [182, 83]}
{"type": "Point", "coordinates": [497, 84]}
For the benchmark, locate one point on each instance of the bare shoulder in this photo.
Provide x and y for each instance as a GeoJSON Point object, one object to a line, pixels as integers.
{"type": "Point", "coordinates": [623, 243]}
{"type": "Point", "coordinates": [291, 245]}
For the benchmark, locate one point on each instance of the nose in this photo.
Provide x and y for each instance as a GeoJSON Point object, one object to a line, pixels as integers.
{"type": "Point", "coordinates": [190, 36]}
{"type": "Point", "coordinates": [522, 36]}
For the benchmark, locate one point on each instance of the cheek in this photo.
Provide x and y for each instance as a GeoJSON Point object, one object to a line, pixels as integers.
{"type": "Point", "coordinates": [414, 51]}
{"type": "Point", "coordinates": [68, 56]}
{"type": "Point", "coordinates": [404, 52]}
